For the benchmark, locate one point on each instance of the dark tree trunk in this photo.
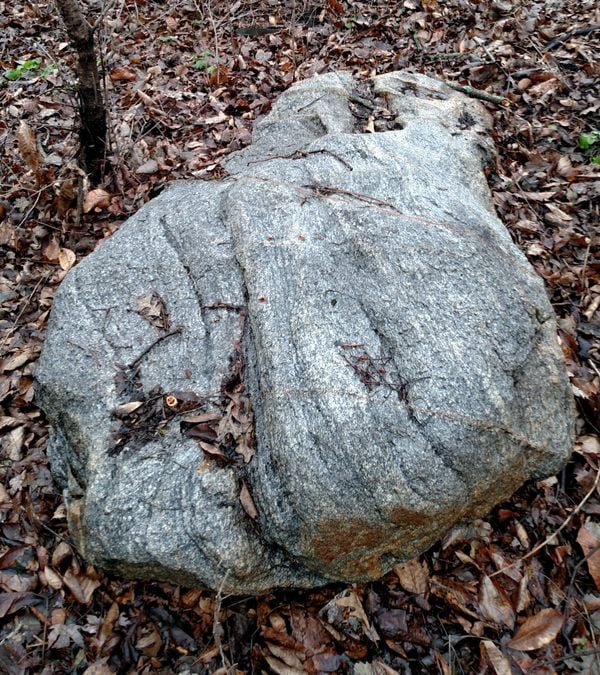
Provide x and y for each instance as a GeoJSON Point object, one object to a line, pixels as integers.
{"type": "Point", "coordinates": [92, 109]}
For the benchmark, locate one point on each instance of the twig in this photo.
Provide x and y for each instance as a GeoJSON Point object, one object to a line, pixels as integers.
{"type": "Point", "coordinates": [158, 340]}
{"type": "Point", "coordinates": [353, 98]}
{"type": "Point", "coordinates": [80, 187]}
{"type": "Point", "coordinates": [105, 10]}
{"type": "Point", "coordinates": [548, 539]}
{"type": "Point", "coordinates": [478, 93]}
{"type": "Point", "coordinates": [303, 154]}
{"type": "Point", "coordinates": [557, 41]}
{"type": "Point", "coordinates": [218, 631]}
{"type": "Point", "coordinates": [307, 105]}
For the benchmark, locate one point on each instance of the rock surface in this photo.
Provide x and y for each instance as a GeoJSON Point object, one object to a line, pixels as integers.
{"type": "Point", "coordinates": [309, 370]}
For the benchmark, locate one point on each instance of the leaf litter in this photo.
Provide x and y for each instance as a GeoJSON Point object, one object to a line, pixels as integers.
{"type": "Point", "coordinates": [185, 83]}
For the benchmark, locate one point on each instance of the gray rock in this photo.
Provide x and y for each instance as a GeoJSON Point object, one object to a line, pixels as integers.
{"type": "Point", "coordinates": [365, 356]}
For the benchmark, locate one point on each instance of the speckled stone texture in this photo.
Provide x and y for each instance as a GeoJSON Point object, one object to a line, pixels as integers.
{"type": "Point", "coordinates": [393, 354]}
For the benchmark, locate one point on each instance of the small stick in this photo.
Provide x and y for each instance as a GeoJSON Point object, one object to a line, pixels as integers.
{"type": "Point", "coordinates": [218, 631]}
{"type": "Point", "coordinates": [561, 38]}
{"type": "Point", "coordinates": [477, 93]}
{"type": "Point", "coordinates": [137, 361]}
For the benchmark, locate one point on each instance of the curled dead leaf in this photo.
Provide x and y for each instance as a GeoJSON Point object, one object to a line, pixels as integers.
{"type": "Point", "coordinates": [96, 199]}
{"type": "Point", "coordinates": [66, 258]}
{"type": "Point", "coordinates": [27, 144]}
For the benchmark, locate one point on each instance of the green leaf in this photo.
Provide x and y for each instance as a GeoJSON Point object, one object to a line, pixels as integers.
{"type": "Point", "coordinates": [32, 64]}
{"type": "Point", "coordinates": [587, 140]}
{"type": "Point", "coordinates": [596, 159]}
{"type": "Point", "coordinates": [50, 68]}
{"type": "Point", "coordinates": [13, 74]}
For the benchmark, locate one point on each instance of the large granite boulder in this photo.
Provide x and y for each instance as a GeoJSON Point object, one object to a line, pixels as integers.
{"type": "Point", "coordinates": [307, 371]}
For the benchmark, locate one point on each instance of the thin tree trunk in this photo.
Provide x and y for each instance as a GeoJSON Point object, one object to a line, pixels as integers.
{"type": "Point", "coordinates": [92, 108]}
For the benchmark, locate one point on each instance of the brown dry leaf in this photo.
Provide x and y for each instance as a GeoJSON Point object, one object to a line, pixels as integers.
{"type": "Point", "coordinates": [150, 642]}
{"type": "Point", "coordinates": [65, 198]}
{"type": "Point", "coordinates": [524, 597]}
{"type": "Point", "coordinates": [538, 631]}
{"type": "Point", "coordinates": [281, 668]}
{"type": "Point", "coordinates": [380, 668]}
{"type": "Point", "coordinates": [13, 443]}
{"type": "Point", "coordinates": [96, 199]}
{"type": "Point", "coordinates": [243, 448]}
{"type": "Point", "coordinates": [52, 250]}
{"type": "Point", "coordinates": [495, 658]}
{"type": "Point", "coordinates": [213, 451]}
{"type": "Point", "coordinates": [99, 667]}
{"type": "Point", "coordinates": [5, 499]}
{"type": "Point", "coordinates": [153, 308]}
{"type": "Point", "coordinates": [61, 553]}
{"type": "Point", "coordinates": [494, 606]}
{"type": "Point", "coordinates": [17, 360]}
{"type": "Point", "coordinates": [588, 445]}
{"type": "Point", "coordinates": [66, 258]}
{"type": "Point", "coordinates": [442, 664]}
{"type": "Point", "coordinates": [53, 579]}
{"type": "Point", "coordinates": [28, 147]}
{"type": "Point", "coordinates": [247, 502]}
{"type": "Point", "coordinates": [107, 627]}
{"type": "Point", "coordinates": [288, 656]}
{"type": "Point", "coordinates": [350, 599]}
{"type": "Point", "coordinates": [82, 588]}
{"type": "Point", "coordinates": [128, 408]}
{"type": "Point", "coordinates": [413, 576]}
{"type": "Point", "coordinates": [588, 538]}
{"type": "Point", "coordinates": [202, 418]}
{"type": "Point", "coordinates": [89, 583]}
{"type": "Point", "coordinates": [122, 75]}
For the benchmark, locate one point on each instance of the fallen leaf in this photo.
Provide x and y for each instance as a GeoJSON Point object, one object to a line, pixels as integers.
{"type": "Point", "coordinates": [12, 602]}
{"type": "Point", "coordinates": [128, 408]}
{"type": "Point", "coordinates": [53, 579]}
{"type": "Point", "coordinates": [281, 668]}
{"type": "Point", "coordinates": [494, 606]}
{"type": "Point", "coordinates": [247, 502]}
{"type": "Point", "coordinates": [588, 538]}
{"type": "Point", "coordinates": [17, 360]}
{"type": "Point", "coordinates": [288, 656]}
{"type": "Point", "coordinates": [349, 600]}
{"type": "Point", "coordinates": [61, 635]}
{"type": "Point", "coordinates": [413, 576]}
{"type": "Point", "coordinates": [151, 166]}
{"type": "Point", "coordinates": [538, 631]}
{"type": "Point", "coordinates": [108, 624]}
{"type": "Point", "coordinates": [99, 667]}
{"type": "Point", "coordinates": [96, 198]}
{"type": "Point", "coordinates": [496, 658]}
{"type": "Point", "coordinates": [122, 75]}
{"type": "Point", "coordinates": [27, 144]}
{"type": "Point", "coordinates": [152, 308]}
{"type": "Point", "coordinates": [66, 258]}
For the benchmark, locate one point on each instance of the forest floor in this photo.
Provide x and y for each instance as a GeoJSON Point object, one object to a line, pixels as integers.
{"type": "Point", "coordinates": [185, 81]}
